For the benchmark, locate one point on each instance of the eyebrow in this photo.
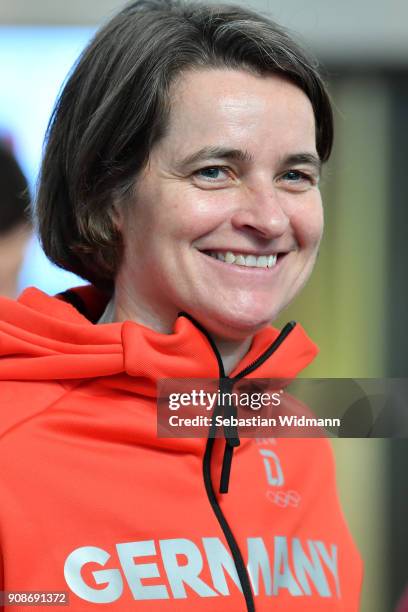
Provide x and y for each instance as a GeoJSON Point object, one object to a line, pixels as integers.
{"type": "Point", "coordinates": [216, 152]}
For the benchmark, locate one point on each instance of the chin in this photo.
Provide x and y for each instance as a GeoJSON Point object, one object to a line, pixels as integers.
{"type": "Point", "coordinates": [233, 325]}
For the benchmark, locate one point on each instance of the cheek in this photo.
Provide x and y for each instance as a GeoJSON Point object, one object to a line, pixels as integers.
{"type": "Point", "coordinates": [308, 222]}
{"type": "Point", "coordinates": [194, 213]}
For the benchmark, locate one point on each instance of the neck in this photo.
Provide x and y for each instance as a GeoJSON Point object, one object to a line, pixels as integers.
{"type": "Point", "coordinates": [231, 351]}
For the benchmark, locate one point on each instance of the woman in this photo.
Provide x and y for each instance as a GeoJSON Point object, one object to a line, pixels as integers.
{"type": "Point", "coordinates": [181, 179]}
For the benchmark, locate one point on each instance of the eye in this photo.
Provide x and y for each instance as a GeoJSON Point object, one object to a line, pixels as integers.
{"type": "Point", "coordinates": [299, 179]}
{"type": "Point", "coordinates": [295, 176]}
{"type": "Point", "coordinates": [212, 173]}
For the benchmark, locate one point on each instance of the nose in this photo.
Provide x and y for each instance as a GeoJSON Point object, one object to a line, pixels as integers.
{"type": "Point", "coordinates": [262, 212]}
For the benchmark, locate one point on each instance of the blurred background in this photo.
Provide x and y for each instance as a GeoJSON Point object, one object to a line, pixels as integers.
{"type": "Point", "coordinates": [356, 303]}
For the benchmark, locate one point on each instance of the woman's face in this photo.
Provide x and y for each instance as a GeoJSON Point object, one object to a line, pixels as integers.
{"type": "Point", "coordinates": [233, 181]}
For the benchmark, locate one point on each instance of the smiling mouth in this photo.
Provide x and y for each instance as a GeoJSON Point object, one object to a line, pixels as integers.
{"type": "Point", "coordinates": [245, 260]}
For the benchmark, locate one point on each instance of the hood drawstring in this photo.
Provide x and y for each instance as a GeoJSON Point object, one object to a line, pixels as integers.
{"type": "Point", "coordinates": [226, 385]}
{"type": "Point", "coordinates": [230, 433]}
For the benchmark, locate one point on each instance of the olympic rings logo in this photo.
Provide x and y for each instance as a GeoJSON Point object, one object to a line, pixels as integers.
{"type": "Point", "coordinates": [284, 499]}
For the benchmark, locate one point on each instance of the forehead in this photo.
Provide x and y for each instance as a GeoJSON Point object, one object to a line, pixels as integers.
{"type": "Point", "coordinates": [236, 108]}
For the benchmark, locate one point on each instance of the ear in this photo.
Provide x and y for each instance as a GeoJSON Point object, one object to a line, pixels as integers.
{"type": "Point", "coordinates": [118, 214]}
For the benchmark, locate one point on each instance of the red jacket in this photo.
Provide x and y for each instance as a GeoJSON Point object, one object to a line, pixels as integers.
{"type": "Point", "coordinates": [92, 502]}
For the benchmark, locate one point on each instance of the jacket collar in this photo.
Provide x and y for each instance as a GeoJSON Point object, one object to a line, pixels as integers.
{"type": "Point", "coordinates": [53, 340]}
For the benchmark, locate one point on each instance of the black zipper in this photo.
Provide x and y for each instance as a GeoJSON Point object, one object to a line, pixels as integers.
{"type": "Point", "coordinates": [225, 380]}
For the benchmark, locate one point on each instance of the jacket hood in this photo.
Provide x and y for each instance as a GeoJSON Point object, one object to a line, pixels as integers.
{"type": "Point", "coordinates": [48, 338]}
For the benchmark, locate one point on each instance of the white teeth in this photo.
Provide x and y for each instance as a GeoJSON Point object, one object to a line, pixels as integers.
{"type": "Point", "coordinates": [272, 260]}
{"type": "Point", "coordinates": [250, 261]}
{"type": "Point", "coordinates": [262, 261]}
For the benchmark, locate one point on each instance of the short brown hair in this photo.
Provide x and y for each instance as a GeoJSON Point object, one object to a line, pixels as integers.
{"type": "Point", "coordinates": [114, 108]}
